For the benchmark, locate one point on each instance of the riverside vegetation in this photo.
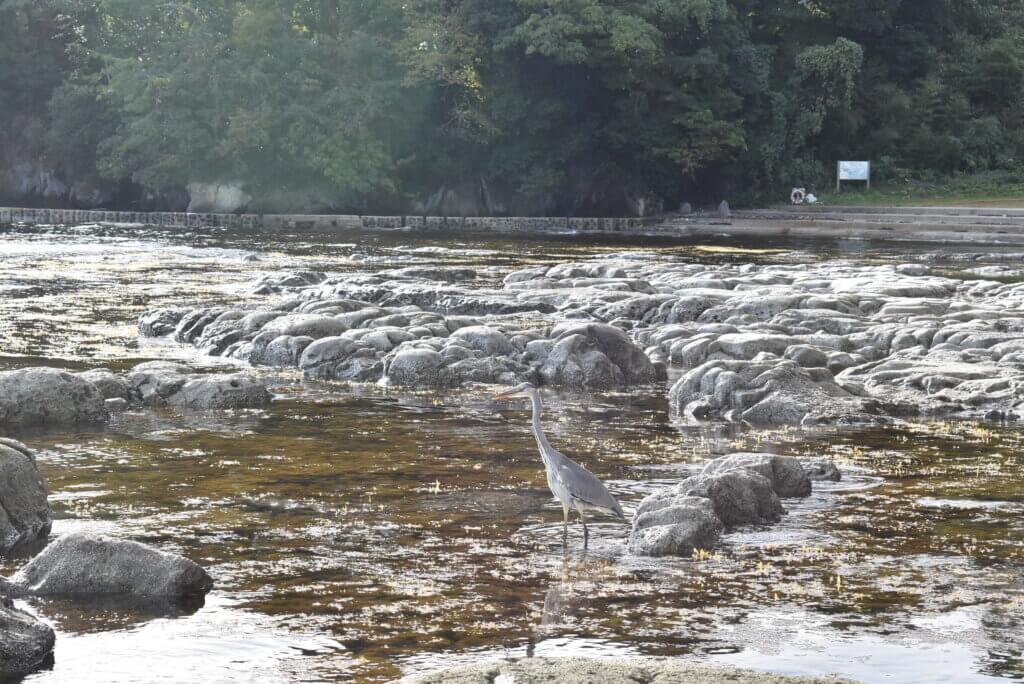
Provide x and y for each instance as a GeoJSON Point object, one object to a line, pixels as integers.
{"type": "Point", "coordinates": [495, 106]}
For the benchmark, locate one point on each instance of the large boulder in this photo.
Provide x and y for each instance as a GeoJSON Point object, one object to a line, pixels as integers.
{"type": "Point", "coordinates": [24, 511]}
{"type": "Point", "coordinates": [25, 642]}
{"type": "Point", "coordinates": [85, 565]}
{"type": "Point", "coordinates": [44, 398]}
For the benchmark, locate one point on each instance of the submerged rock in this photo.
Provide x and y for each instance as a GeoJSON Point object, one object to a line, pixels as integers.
{"type": "Point", "coordinates": [85, 565]}
{"type": "Point", "coordinates": [822, 471]}
{"type": "Point", "coordinates": [24, 511]}
{"type": "Point", "coordinates": [25, 642]}
{"type": "Point", "coordinates": [46, 398]}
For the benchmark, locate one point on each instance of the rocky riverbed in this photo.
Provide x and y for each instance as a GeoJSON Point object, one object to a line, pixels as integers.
{"type": "Point", "coordinates": [766, 345]}
{"type": "Point", "coordinates": [818, 453]}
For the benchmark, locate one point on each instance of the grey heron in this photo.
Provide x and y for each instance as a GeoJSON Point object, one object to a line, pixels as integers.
{"type": "Point", "coordinates": [574, 486]}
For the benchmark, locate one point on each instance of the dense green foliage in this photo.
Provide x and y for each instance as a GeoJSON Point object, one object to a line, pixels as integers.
{"type": "Point", "coordinates": [557, 106]}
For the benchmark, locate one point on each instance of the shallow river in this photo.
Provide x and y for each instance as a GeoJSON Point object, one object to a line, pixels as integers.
{"type": "Point", "coordinates": [358, 535]}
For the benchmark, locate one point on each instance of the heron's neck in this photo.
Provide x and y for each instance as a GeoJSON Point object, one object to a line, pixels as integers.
{"type": "Point", "coordinates": [538, 431]}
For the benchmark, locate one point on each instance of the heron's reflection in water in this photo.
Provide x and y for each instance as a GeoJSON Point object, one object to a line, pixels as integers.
{"type": "Point", "coordinates": [580, 576]}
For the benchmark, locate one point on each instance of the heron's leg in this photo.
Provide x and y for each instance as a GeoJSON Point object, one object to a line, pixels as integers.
{"type": "Point", "coordinates": [565, 525]}
{"type": "Point", "coordinates": [586, 534]}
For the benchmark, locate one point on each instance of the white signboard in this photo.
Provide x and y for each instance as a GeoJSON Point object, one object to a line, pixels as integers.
{"type": "Point", "coordinates": [854, 170]}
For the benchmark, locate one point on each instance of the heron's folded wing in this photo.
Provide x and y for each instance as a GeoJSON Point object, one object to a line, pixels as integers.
{"type": "Point", "coordinates": [584, 485]}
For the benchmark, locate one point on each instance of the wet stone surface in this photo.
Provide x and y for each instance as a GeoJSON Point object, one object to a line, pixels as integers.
{"type": "Point", "coordinates": [362, 532]}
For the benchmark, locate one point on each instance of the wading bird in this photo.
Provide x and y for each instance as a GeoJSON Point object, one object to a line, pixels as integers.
{"type": "Point", "coordinates": [573, 485]}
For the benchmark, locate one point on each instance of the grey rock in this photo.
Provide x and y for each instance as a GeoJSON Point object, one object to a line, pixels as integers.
{"type": "Point", "coordinates": [109, 384]}
{"type": "Point", "coordinates": [737, 489]}
{"type": "Point", "coordinates": [807, 356]}
{"type": "Point", "coordinates": [116, 405]}
{"type": "Point", "coordinates": [86, 565]}
{"type": "Point", "coordinates": [483, 338]}
{"type": "Point", "coordinates": [785, 473]}
{"type": "Point", "coordinates": [161, 383]}
{"type": "Point", "coordinates": [24, 511]}
{"type": "Point", "coordinates": [193, 323]}
{"type": "Point", "coordinates": [224, 391]}
{"type": "Point", "coordinates": [822, 471]}
{"type": "Point", "coordinates": [339, 358]}
{"type": "Point", "coordinates": [675, 526]}
{"type": "Point", "coordinates": [25, 642]}
{"type": "Point", "coordinates": [437, 273]}
{"type": "Point", "coordinates": [46, 398]}
{"type": "Point", "coordinates": [767, 392]}
{"type": "Point", "coordinates": [305, 325]}
{"type": "Point", "coordinates": [739, 496]}
{"type": "Point", "coordinates": [597, 356]}
{"type": "Point", "coordinates": [287, 280]}
{"type": "Point", "coordinates": [154, 381]}
{"type": "Point", "coordinates": [417, 368]}
{"type": "Point", "coordinates": [159, 322]}
{"type": "Point", "coordinates": [284, 351]}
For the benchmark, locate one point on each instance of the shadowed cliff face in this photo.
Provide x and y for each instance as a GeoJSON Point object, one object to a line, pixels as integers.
{"type": "Point", "coordinates": [356, 533]}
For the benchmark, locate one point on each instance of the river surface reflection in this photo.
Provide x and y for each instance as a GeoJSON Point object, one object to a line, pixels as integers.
{"type": "Point", "coordinates": [357, 534]}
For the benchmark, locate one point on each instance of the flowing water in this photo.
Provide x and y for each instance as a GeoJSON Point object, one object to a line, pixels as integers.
{"type": "Point", "coordinates": [358, 535]}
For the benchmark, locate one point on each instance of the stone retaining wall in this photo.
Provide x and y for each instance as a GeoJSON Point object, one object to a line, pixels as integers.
{"type": "Point", "coordinates": [322, 222]}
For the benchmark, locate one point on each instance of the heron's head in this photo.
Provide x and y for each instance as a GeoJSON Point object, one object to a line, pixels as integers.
{"type": "Point", "coordinates": [522, 390]}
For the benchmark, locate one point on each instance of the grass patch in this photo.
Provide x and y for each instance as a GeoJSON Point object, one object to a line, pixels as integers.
{"type": "Point", "coordinates": [996, 189]}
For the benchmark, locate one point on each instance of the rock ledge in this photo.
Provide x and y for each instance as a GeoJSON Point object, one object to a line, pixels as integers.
{"type": "Point", "coordinates": [605, 671]}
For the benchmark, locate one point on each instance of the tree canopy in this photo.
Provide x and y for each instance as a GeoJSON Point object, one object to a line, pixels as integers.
{"type": "Point", "coordinates": [525, 106]}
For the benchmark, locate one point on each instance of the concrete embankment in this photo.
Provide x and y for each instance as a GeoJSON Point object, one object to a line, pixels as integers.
{"type": "Point", "coordinates": [975, 225]}
{"type": "Point", "coordinates": [331, 222]}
